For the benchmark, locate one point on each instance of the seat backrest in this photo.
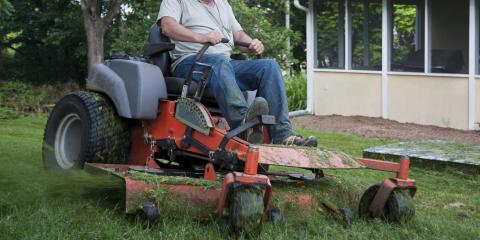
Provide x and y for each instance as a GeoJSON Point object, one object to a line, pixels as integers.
{"type": "Point", "coordinates": [162, 60]}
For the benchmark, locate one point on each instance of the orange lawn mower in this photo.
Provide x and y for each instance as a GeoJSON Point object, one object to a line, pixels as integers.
{"type": "Point", "coordinates": [134, 120]}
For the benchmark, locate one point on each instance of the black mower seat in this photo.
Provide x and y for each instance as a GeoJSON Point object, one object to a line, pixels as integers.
{"type": "Point", "coordinates": [175, 85]}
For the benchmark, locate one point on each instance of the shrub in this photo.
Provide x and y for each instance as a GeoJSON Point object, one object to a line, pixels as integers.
{"type": "Point", "coordinates": [6, 113]}
{"type": "Point", "coordinates": [296, 87]}
{"type": "Point", "coordinates": [24, 98]}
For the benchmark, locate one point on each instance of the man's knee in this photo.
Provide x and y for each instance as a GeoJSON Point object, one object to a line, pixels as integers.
{"type": "Point", "coordinates": [219, 61]}
{"type": "Point", "coordinates": [221, 67]}
{"type": "Point", "coordinates": [270, 65]}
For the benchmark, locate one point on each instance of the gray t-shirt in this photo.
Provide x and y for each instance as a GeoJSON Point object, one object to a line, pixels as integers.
{"type": "Point", "coordinates": [199, 18]}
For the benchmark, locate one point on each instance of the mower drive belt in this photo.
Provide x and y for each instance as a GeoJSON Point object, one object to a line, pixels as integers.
{"type": "Point", "coordinates": [305, 157]}
{"type": "Point", "coordinates": [193, 114]}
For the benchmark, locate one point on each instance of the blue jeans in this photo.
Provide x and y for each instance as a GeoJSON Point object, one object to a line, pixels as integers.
{"type": "Point", "coordinates": [230, 77]}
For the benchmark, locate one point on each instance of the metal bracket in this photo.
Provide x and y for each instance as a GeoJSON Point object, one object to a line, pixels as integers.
{"type": "Point", "coordinates": [263, 119]}
{"type": "Point", "coordinates": [188, 141]}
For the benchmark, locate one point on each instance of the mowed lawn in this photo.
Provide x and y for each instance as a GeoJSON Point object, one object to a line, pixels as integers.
{"type": "Point", "coordinates": [35, 204]}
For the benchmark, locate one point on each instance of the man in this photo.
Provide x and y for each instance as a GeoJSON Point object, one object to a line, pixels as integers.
{"type": "Point", "coordinates": [191, 23]}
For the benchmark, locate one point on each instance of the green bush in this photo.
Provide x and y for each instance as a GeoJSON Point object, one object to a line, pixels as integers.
{"type": "Point", "coordinates": [6, 113]}
{"type": "Point", "coordinates": [296, 87]}
{"type": "Point", "coordinates": [26, 99]}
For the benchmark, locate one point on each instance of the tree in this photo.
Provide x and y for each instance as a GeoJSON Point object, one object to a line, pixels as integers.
{"type": "Point", "coordinates": [257, 23]}
{"type": "Point", "coordinates": [96, 25]}
{"type": "Point", "coordinates": [130, 36]}
{"type": "Point", "coordinates": [5, 7]}
{"type": "Point", "coordinates": [43, 41]}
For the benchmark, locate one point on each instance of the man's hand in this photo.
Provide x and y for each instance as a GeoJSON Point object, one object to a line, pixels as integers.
{"type": "Point", "coordinates": [213, 38]}
{"type": "Point", "coordinates": [256, 46]}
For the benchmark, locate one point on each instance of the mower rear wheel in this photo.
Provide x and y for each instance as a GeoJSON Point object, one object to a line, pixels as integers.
{"type": "Point", "coordinates": [84, 127]}
{"type": "Point", "coordinates": [398, 209]}
{"type": "Point", "coordinates": [245, 208]}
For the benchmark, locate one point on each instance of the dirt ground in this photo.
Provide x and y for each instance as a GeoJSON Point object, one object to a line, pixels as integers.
{"type": "Point", "coordinates": [385, 129]}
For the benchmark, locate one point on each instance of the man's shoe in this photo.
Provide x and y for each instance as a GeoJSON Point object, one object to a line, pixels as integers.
{"type": "Point", "coordinates": [259, 107]}
{"type": "Point", "coordinates": [310, 141]}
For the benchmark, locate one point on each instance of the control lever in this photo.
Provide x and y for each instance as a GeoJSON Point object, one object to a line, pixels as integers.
{"type": "Point", "coordinates": [199, 55]}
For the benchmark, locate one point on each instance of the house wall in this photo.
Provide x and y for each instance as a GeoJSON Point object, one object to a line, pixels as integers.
{"type": "Point", "coordinates": [347, 94]}
{"type": "Point", "coordinates": [429, 100]}
{"type": "Point", "coordinates": [440, 101]}
{"type": "Point", "coordinates": [477, 105]}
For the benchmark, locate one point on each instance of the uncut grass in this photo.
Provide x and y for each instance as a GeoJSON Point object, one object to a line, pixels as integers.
{"type": "Point", "coordinates": [35, 204]}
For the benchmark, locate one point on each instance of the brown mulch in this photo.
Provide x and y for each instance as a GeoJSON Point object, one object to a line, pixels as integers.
{"type": "Point", "coordinates": [385, 129]}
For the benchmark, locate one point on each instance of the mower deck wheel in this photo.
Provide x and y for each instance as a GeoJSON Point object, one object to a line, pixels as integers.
{"type": "Point", "coordinates": [245, 208]}
{"type": "Point", "coordinates": [150, 211]}
{"type": "Point", "coordinates": [398, 209]}
{"type": "Point", "coordinates": [275, 216]}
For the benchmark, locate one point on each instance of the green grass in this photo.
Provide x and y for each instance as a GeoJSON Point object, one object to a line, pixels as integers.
{"type": "Point", "coordinates": [35, 204]}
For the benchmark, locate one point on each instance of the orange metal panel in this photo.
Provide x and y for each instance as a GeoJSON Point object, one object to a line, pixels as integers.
{"type": "Point", "coordinates": [379, 165]}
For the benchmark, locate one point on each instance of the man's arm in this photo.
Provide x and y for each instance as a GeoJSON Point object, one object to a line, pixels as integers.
{"type": "Point", "coordinates": [176, 31]}
{"type": "Point", "coordinates": [256, 46]}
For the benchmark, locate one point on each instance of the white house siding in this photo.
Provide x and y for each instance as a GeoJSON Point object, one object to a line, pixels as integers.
{"type": "Point", "coordinates": [347, 94]}
{"type": "Point", "coordinates": [477, 105]}
{"type": "Point", "coordinates": [440, 101]}
{"type": "Point", "coordinates": [429, 100]}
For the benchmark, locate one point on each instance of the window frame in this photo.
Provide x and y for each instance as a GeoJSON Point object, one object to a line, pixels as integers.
{"type": "Point", "coordinates": [386, 20]}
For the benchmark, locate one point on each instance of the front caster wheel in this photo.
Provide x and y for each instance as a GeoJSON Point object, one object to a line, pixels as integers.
{"type": "Point", "coordinates": [275, 216]}
{"type": "Point", "coordinates": [245, 208]}
{"type": "Point", "coordinates": [398, 209]}
{"type": "Point", "coordinates": [150, 211]}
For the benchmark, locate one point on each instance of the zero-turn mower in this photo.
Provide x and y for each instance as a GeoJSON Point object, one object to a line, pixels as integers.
{"type": "Point", "coordinates": [134, 118]}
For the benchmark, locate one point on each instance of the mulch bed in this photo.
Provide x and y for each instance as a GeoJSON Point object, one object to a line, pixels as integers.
{"type": "Point", "coordinates": [384, 129]}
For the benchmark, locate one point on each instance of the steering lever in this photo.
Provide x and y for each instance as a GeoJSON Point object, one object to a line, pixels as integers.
{"type": "Point", "coordinates": [199, 55]}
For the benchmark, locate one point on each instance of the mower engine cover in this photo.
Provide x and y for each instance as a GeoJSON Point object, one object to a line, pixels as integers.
{"type": "Point", "coordinates": [134, 87]}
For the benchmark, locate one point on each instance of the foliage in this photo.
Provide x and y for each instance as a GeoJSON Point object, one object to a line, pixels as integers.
{"type": "Point", "coordinates": [24, 98]}
{"type": "Point", "coordinates": [130, 35]}
{"type": "Point", "coordinates": [274, 11]}
{"type": "Point", "coordinates": [43, 41]}
{"type": "Point", "coordinates": [404, 20]}
{"type": "Point", "coordinates": [257, 21]}
{"type": "Point", "coordinates": [373, 38]}
{"type": "Point", "coordinates": [6, 113]}
{"type": "Point", "coordinates": [6, 7]}
{"type": "Point", "coordinates": [296, 87]}
{"type": "Point", "coordinates": [329, 41]}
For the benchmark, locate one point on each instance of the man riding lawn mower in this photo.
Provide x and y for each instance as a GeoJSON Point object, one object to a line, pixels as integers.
{"type": "Point", "coordinates": [189, 24]}
{"type": "Point", "coordinates": [162, 118]}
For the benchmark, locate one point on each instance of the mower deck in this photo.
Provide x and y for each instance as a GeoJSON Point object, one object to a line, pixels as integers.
{"type": "Point", "coordinates": [305, 157]}
{"type": "Point", "coordinates": [140, 181]}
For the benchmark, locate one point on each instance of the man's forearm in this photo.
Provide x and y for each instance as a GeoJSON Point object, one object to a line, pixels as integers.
{"type": "Point", "coordinates": [176, 31]}
{"type": "Point", "coordinates": [241, 36]}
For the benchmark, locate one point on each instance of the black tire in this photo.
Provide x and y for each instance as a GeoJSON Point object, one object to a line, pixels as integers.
{"type": "Point", "coordinates": [150, 212]}
{"type": "Point", "coordinates": [84, 127]}
{"type": "Point", "coordinates": [398, 209]}
{"type": "Point", "coordinates": [245, 208]}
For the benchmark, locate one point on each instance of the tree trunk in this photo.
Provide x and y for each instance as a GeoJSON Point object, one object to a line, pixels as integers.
{"type": "Point", "coordinates": [96, 26]}
{"type": "Point", "coordinates": [95, 36]}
